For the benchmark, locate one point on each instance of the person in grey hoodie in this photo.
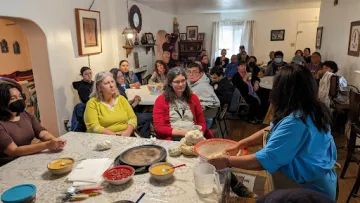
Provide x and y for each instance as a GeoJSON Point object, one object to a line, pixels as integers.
{"type": "Point", "coordinates": [200, 85]}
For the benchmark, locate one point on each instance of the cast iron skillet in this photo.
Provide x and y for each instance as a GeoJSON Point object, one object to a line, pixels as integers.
{"type": "Point", "coordinates": [141, 168]}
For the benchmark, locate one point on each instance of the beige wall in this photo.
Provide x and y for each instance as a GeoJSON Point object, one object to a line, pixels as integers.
{"type": "Point", "coordinates": [336, 21]}
{"type": "Point", "coordinates": [265, 21]}
{"type": "Point", "coordinates": [10, 62]}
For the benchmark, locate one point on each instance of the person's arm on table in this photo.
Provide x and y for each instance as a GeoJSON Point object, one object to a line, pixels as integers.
{"type": "Point", "coordinates": [91, 119]}
{"type": "Point", "coordinates": [136, 83]}
{"type": "Point", "coordinates": [15, 151]}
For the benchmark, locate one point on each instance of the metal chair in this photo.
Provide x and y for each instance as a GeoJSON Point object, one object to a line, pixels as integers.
{"type": "Point", "coordinates": [221, 121]}
{"type": "Point", "coordinates": [145, 80]}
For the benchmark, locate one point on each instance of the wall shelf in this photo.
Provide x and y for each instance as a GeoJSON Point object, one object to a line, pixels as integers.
{"type": "Point", "coordinates": [146, 46]}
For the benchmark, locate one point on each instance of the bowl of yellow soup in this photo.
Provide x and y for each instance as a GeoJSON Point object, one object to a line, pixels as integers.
{"type": "Point", "coordinates": [61, 166]}
{"type": "Point", "coordinates": [157, 172]}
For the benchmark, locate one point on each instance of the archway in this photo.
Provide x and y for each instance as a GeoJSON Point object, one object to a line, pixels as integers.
{"type": "Point", "coordinates": [39, 58]}
{"type": "Point", "coordinates": [160, 39]}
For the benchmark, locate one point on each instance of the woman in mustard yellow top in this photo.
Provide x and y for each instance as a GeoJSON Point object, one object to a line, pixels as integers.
{"type": "Point", "coordinates": [107, 112]}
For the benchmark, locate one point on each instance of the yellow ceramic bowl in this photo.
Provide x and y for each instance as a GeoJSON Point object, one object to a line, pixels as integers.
{"type": "Point", "coordinates": [156, 171]}
{"type": "Point", "coordinates": [61, 166]}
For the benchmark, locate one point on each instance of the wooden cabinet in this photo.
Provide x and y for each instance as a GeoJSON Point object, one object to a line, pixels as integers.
{"type": "Point", "coordinates": [189, 50]}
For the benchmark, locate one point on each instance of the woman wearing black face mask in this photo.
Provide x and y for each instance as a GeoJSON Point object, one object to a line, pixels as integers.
{"type": "Point", "coordinates": [254, 69]}
{"type": "Point", "coordinates": [18, 128]}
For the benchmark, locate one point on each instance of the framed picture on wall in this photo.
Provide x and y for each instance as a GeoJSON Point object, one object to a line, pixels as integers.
{"type": "Point", "coordinates": [182, 36]}
{"type": "Point", "coordinates": [354, 39]}
{"type": "Point", "coordinates": [277, 35]}
{"type": "Point", "coordinates": [319, 34]}
{"type": "Point", "coordinates": [88, 29]}
{"type": "Point", "coordinates": [201, 36]}
{"type": "Point", "coordinates": [150, 38]}
{"type": "Point", "coordinates": [192, 32]}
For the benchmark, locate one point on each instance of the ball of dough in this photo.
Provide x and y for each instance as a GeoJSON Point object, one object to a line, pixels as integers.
{"type": "Point", "coordinates": [174, 151]}
{"type": "Point", "coordinates": [193, 137]}
{"type": "Point", "coordinates": [188, 150]}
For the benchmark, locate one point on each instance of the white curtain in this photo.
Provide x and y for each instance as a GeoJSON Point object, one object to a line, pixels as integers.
{"type": "Point", "coordinates": [215, 41]}
{"type": "Point", "coordinates": [248, 35]}
{"type": "Point", "coordinates": [226, 35]}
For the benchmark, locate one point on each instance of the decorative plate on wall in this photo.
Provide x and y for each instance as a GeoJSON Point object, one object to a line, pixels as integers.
{"type": "Point", "coordinates": [135, 18]}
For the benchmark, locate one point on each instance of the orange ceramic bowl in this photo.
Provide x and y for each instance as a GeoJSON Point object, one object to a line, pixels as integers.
{"type": "Point", "coordinates": [212, 148]}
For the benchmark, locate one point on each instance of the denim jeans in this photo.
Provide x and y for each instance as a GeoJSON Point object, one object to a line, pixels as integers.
{"type": "Point", "coordinates": [144, 120]}
{"type": "Point", "coordinates": [209, 122]}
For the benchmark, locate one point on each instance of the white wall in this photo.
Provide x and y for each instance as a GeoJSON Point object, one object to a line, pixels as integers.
{"type": "Point", "coordinates": [265, 21]}
{"type": "Point", "coordinates": [336, 22]}
{"type": "Point", "coordinates": [57, 20]}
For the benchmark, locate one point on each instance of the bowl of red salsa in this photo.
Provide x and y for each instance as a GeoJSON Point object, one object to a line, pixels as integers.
{"type": "Point", "coordinates": [119, 174]}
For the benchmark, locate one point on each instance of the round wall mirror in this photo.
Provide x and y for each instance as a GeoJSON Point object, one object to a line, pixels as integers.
{"type": "Point", "coordinates": [135, 18]}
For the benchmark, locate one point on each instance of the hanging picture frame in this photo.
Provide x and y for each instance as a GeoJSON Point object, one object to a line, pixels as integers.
{"type": "Point", "coordinates": [354, 39]}
{"type": "Point", "coordinates": [4, 46]}
{"type": "Point", "coordinates": [88, 27]}
{"type": "Point", "coordinates": [16, 47]}
{"type": "Point", "coordinates": [319, 34]}
{"type": "Point", "coordinates": [277, 35]}
{"type": "Point", "coordinates": [192, 32]}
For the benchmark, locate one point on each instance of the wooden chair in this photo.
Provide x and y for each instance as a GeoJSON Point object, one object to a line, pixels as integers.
{"type": "Point", "coordinates": [354, 134]}
{"type": "Point", "coordinates": [354, 115]}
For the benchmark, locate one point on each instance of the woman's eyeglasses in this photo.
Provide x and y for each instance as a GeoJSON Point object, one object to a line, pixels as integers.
{"type": "Point", "coordinates": [178, 82]}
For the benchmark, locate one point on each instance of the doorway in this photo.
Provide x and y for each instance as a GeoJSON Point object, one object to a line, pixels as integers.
{"type": "Point", "coordinates": [306, 35]}
{"type": "Point", "coordinates": [39, 59]}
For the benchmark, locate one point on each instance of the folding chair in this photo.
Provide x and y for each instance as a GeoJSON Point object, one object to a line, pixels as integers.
{"type": "Point", "coordinates": [221, 121]}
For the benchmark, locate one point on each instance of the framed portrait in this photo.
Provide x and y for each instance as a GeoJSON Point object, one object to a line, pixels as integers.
{"type": "Point", "coordinates": [192, 32]}
{"type": "Point", "coordinates": [277, 35]}
{"type": "Point", "coordinates": [319, 34]}
{"type": "Point", "coordinates": [88, 28]}
{"type": "Point", "coordinates": [182, 36]}
{"type": "Point", "coordinates": [353, 49]}
{"type": "Point", "coordinates": [201, 36]}
{"type": "Point", "coordinates": [150, 38]}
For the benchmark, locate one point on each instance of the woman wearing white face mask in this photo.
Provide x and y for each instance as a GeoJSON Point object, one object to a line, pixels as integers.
{"type": "Point", "coordinates": [275, 66]}
{"type": "Point", "coordinates": [18, 128]}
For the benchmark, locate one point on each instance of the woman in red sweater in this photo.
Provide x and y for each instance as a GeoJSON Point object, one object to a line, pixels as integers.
{"type": "Point", "coordinates": [177, 110]}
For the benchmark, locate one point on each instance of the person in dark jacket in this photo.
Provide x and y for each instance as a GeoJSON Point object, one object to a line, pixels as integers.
{"type": "Point", "coordinates": [222, 60]}
{"type": "Point", "coordinates": [84, 87]}
{"type": "Point", "coordinates": [241, 81]}
{"type": "Point", "coordinates": [222, 86]}
{"type": "Point", "coordinates": [254, 69]}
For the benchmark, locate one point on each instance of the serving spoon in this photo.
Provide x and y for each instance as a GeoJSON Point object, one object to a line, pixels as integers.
{"type": "Point", "coordinates": [168, 169]}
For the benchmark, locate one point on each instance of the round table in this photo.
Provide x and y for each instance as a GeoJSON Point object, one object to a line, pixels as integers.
{"type": "Point", "coordinates": [267, 82]}
{"type": "Point", "coordinates": [144, 93]}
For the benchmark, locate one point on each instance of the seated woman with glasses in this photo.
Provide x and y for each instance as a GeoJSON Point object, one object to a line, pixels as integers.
{"type": "Point", "coordinates": [159, 75]}
{"type": "Point", "coordinates": [107, 112]}
{"type": "Point", "coordinates": [131, 80]}
{"type": "Point", "coordinates": [178, 110]}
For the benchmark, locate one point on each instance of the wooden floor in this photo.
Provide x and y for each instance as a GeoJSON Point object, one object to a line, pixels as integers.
{"type": "Point", "coordinates": [241, 129]}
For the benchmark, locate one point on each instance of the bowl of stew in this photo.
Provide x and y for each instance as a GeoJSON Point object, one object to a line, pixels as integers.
{"type": "Point", "coordinates": [119, 174]}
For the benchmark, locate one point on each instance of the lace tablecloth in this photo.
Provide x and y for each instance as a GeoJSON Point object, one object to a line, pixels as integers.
{"type": "Point", "coordinates": [33, 170]}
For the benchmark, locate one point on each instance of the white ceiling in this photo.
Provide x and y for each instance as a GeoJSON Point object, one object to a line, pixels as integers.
{"type": "Point", "coordinates": [225, 6]}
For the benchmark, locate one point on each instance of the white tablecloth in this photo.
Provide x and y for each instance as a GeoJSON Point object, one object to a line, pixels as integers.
{"type": "Point", "coordinates": [144, 93]}
{"type": "Point", "coordinates": [33, 170]}
{"type": "Point", "coordinates": [267, 82]}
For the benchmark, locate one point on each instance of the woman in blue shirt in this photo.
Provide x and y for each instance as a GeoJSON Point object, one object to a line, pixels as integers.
{"type": "Point", "coordinates": [131, 80]}
{"type": "Point", "coordinates": [300, 146]}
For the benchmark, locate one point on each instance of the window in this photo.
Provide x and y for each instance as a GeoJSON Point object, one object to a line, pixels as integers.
{"type": "Point", "coordinates": [230, 37]}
